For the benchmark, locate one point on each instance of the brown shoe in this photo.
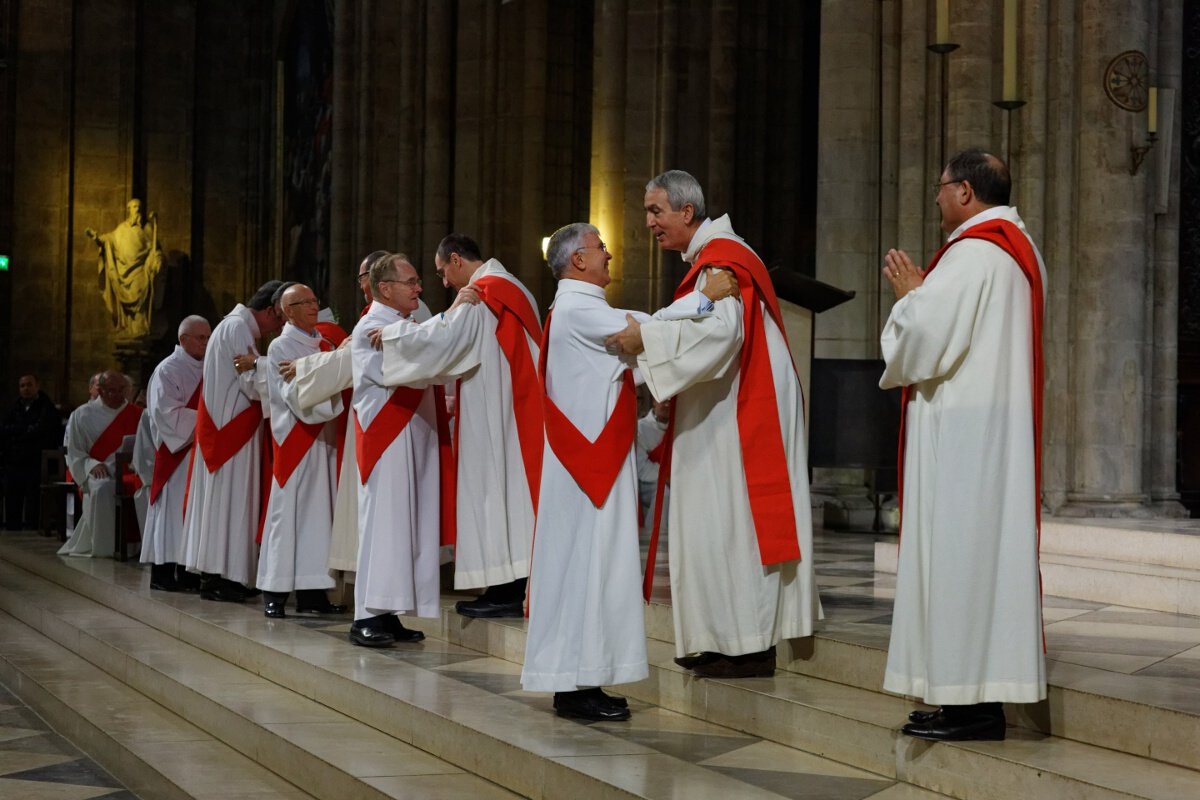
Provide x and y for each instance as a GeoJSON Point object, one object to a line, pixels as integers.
{"type": "Point", "coordinates": [750, 665]}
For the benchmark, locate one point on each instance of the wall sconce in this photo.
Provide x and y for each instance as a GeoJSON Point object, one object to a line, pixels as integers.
{"type": "Point", "coordinates": [1138, 154]}
{"type": "Point", "coordinates": [545, 246]}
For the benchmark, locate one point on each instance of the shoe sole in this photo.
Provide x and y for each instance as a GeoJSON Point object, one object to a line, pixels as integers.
{"type": "Point", "coordinates": [498, 614]}
{"type": "Point", "coordinates": [590, 718]}
{"type": "Point", "coordinates": [371, 644]}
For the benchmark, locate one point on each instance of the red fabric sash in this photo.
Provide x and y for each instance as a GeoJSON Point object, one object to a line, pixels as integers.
{"type": "Point", "coordinates": [331, 332]}
{"type": "Point", "coordinates": [123, 424]}
{"type": "Point", "coordinates": [287, 456]}
{"type": "Point", "coordinates": [593, 465]}
{"type": "Point", "coordinates": [1009, 238]}
{"type": "Point", "coordinates": [656, 455]}
{"type": "Point", "coordinates": [383, 430]}
{"type": "Point", "coordinates": [516, 319]}
{"type": "Point", "coordinates": [447, 468]}
{"type": "Point", "coordinates": [219, 444]}
{"type": "Point", "coordinates": [166, 462]}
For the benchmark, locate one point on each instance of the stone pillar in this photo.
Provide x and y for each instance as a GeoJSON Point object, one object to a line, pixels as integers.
{"type": "Point", "coordinates": [1163, 165]}
{"type": "Point", "coordinates": [1108, 354]}
{"type": "Point", "coordinates": [608, 136]}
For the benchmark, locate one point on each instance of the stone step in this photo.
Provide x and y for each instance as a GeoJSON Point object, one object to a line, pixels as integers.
{"type": "Point", "coordinates": [510, 737]}
{"type": "Point", "coordinates": [1168, 542]}
{"type": "Point", "coordinates": [152, 751]}
{"type": "Point", "coordinates": [849, 724]}
{"type": "Point", "coordinates": [310, 745]}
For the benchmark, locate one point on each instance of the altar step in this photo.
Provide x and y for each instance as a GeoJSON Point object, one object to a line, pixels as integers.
{"type": "Point", "coordinates": [343, 722]}
{"type": "Point", "coordinates": [1151, 564]}
{"type": "Point", "coordinates": [825, 702]}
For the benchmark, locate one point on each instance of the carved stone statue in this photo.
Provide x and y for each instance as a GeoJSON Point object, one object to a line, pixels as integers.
{"type": "Point", "coordinates": [130, 259]}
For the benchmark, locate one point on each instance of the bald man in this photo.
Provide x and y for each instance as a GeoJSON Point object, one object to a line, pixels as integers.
{"type": "Point", "coordinates": [172, 396]}
{"type": "Point", "coordinates": [295, 545]}
{"type": "Point", "coordinates": [96, 433]}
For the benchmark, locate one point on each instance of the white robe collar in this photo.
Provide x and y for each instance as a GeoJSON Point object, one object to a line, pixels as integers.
{"type": "Point", "coordinates": [719, 228]}
{"type": "Point", "coordinates": [247, 316]}
{"type": "Point", "coordinates": [576, 286]}
{"type": "Point", "coordinates": [311, 341]}
{"type": "Point", "coordinates": [987, 215]}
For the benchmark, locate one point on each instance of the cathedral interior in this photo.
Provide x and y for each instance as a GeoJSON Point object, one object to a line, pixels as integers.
{"type": "Point", "coordinates": [290, 138]}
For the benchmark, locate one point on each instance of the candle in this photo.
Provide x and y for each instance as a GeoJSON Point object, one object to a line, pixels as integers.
{"type": "Point", "coordinates": [943, 22]}
{"type": "Point", "coordinates": [1152, 111]}
{"type": "Point", "coordinates": [1010, 50]}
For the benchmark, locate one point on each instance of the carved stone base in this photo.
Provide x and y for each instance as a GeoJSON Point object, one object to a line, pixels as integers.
{"type": "Point", "coordinates": [1111, 507]}
{"type": "Point", "coordinates": [131, 355]}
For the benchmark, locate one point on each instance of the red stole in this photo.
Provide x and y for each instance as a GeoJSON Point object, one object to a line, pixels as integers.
{"type": "Point", "coordinates": [288, 455]}
{"type": "Point", "coordinates": [219, 444]}
{"type": "Point", "coordinates": [517, 318]}
{"type": "Point", "coordinates": [1009, 238]}
{"type": "Point", "coordinates": [593, 465]}
{"type": "Point", "coordinates": [166, 462]}
{"type": "Point", "coordinates": [371, 442]}
{"type": "Point", "coordinates": [764, 459]}
{"type": "Point", "coordinates": [124, 424]}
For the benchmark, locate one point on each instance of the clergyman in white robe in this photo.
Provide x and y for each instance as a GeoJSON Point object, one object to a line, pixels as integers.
{"type": "Point", "coordinates": [723, 598]}
{"type": "Point", "coordinates": [221, 523]}
{"type": "Point", "coordinates": [295, 543]}
{"type": "Point", "coordinates": [173, 426]}
{"type": "Point", "coordinates": [967, 624]}
{"type": "Point", "coordinates": [586, 626]}
{"type": "Point", "coordinates": [95, 535]}
{"type": "Point", "coordinates": [398, 503]}
{"type": "Point", "coordinates": [494, 504]}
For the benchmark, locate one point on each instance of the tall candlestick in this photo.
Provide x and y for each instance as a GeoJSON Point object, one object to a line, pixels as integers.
{"type": "Point", "coordinates": [1152, 111]}
{"type": "Point", "coordinates": [943, 22]}
{"type": "Point", "coordinates": [1010, 50]}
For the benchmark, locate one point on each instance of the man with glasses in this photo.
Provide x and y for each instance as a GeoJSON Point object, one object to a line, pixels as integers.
{"type": "Point", "coordinates": [490, 348]}
{"type": "Point", "coordinates": [295, 543]}
{"type": "Point", "coordinates": [172, 397]}
{"type": "Point", "coordinates": [397, 452]}
{"type": "Point", "coordinates": [964, 340]}
{"type": "Point", "coordinates": [738, 463]}
{"type": "Point", "coordinates": [224, 496]}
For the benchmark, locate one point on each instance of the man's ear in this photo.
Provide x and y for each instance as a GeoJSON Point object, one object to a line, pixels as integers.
{"type": "Point", "coordinates": [689, 213]}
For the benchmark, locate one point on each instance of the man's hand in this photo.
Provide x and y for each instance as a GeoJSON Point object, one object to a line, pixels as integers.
{"type": "Point", "coordinates": [345, 342]}
{"type": "Point", "coordinates": [901, 272]}
{"type": "Point", "coordinates": [719, 284]}
{"type": "Point", "coordinates": [466, 295]}
{"type": "Point", "coordinates": [287, 371]}
{"type": "Point", "coordinates": [376, 337]}
{"type": "Point", "coordinates": [662, 411]}
{"type": "Point", "coordinates": [627, 342]}
{"type": "Point", "coordinates": [245, 361]}
{"type": "Point", "coordinates": [99, 471]}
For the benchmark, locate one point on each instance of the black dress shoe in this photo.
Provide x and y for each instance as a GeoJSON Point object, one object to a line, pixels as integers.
{"type": "Point", "coordinates": [749, 665]}
{"type": "Point", "coordinates": [315, 601]}
{"type": "Point", "coordinates": [964, 724]}
{"type": "Point", "coordinates": [392, 624]}
{"type": "Point", "coordinates": [371, 636]}
{"type": "Point", "coordinates": [187, 581]}
{"type": "Point", "coordinates": [162, 578]}
{"type": "Point", "coordinates": [484, 608]}
{"type": "Point", "coordinates": [587, 705]}
{"type": "Point", "coordinates": [222, 591]}
{"type": "Point", "coordinates": [922, 717]}
{"type": "Point", "coordinates": [274, 609]}
{"type": "Point", "coordinates": [689, 661]}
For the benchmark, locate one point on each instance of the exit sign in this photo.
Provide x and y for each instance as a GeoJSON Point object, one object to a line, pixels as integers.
{"type": "Point", "coordinates": [3, 263]}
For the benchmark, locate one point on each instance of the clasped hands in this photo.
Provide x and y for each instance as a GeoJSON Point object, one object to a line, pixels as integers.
{"type": "Point", "coordinates": [719, 283]}
{"type": "Point", "coordinates": [901, 272]}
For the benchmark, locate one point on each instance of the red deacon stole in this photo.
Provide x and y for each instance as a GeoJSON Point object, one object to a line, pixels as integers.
{"type": "Point", "coordinates": [166, 462]}
{"type": "Point", "coordinates": [219, 444]}
{"type": "Point", "coordinates": [371, 442]}
{"type": "Point", "coordinates": [1009, 238]}
{"type": "Point", "coordinates": [516, 319]}
{"type": "Point", "coordinates": [123, 424]}
{"type": "Point", "coordinates": [593, 465]}
{"type": "Point", "coordinates": [289, 454]}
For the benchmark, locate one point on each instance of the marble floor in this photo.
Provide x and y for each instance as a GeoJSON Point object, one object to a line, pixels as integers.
{"type": "Point", "coordinates": [1139, 655]}
{"type": "Point", "coordinates": [38, 764]}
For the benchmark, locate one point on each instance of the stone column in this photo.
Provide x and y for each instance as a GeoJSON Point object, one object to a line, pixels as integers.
{"type": "Point", "coordinates": [608, 135]}
{"type": "Point", "coordinates": [1108, 325]}
{"type": "Point", "coordinates": [1163, 165]}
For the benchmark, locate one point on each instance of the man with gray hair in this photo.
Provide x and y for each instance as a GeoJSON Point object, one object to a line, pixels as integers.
{"type": "Point", "coordinates": [737, 423]}
{"type": "Point", "coordinates": [172, 396]}
{"type": "Point", "coordinates": [95, 434]}
{"type": "Point", "coordinates": [399, 480]}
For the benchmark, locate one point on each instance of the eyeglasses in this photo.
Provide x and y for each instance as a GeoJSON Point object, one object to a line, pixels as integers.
{"type": "Point", "coordinates": [312, 301]}
{"type": "Point", "coordinates": [937, 187]}
{"type": "Point", "coordinates": [603, 248]}
{"type": "Point", "coordinates": [362, 275]}
{"type": "Point", "coordinates": [411, 283]}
